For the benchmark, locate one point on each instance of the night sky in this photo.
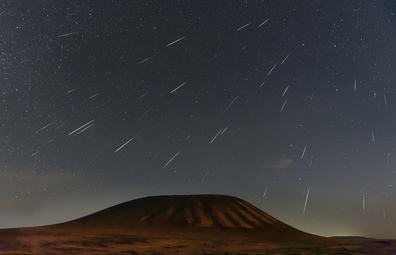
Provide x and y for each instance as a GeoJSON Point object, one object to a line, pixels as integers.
{"type": "Point", "coordinates": [289, 105]}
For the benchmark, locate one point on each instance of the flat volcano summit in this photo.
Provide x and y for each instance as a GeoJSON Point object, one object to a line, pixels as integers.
{"type": "Point", "coordinates": [193, 214]}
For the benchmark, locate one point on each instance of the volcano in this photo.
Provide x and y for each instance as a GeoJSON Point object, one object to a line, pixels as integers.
{"type": "Point", "coordinates": [197, 215]}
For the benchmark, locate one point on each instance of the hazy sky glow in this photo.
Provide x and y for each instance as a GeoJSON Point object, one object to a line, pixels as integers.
{"type": "Point", "coordinates": [239, 98]}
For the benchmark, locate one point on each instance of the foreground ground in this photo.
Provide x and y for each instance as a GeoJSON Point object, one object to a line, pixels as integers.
{"type": "Point", "coordinates": [114, 242]}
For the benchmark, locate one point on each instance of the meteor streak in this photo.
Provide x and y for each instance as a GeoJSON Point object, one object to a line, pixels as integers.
{"type": "Point", "coordinates": [285, 90]}
{"type": "Point", "coordinates": [262, 84]}
{"type": "Point", "coordinates": [61, 125]}
{"type": "Point", "coordinates": [144, 60]}
{"type": "Point", "coordinates": [283, 104]}
{"type": "Point", "coordinates": [354, 85]}
{"type": "Point", "coordinates": [225, 129]}
{"type": "Point", "coordinates": [386, 103]}
{"type": "Point", "coordinates": [263, 23]}
{"type": "Point", "coordinates": [272, 69]}
{"type": "Point", "coordinates": [215, 136]}
{"type": "Point", "coordinates": [84, 129]}
{"type": "Point", "coordinates": [363, 202]}
{"type": "Point", "coordinates": [47, 125]}
{"type": "Point", "coordinates": [306, 199]}
{"type": "Point", "coordinates": [245, 46]}
{"type": "Point", "coordinates": [94, 96]}
{"type": "Point", "coordinates": [285, 58]}
{"type": "Point", "coordinates": [265, 191]}
{"type": "Point", "coordinates": [147, 111]}
{"type": "Point", "coordinates": [124, 144]}
{"type": "Point", "coordinates": [67, 34]}
{"type": "Point", "coordinates": [204, 176]}
{"type": "Point", "coordinates": [243, 26]}
{"type": "Point", "coordinates": [372, 135]}
{"type": "Point", "coordinates": [303, 152]}
{"type": "Point", "coordinates": [35, 153]}
{"type": "Point", "coordinates": [310, 163]}
{"type": "Point", "coordinates": [70, 91]}
{"type": "Point", "coordinates": [231, 103]}
{"type": "Point", "coordinates": [176, 41]}
{"type": "Point", "coordinates": [178, 87]}
{"type": "Point", "coordinates": [171, 159]}
{"type": "Point", "coordinates": [81, 127]}
{"type": "Point", "coordinates": [143, 95]}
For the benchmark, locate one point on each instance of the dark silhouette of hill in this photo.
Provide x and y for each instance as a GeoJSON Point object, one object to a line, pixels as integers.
{"type": "Point", "coordinates": [196, 215]}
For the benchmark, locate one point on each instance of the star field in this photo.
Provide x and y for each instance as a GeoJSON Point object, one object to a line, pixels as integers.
{"type": "Point", "coordinates": [107, 101]}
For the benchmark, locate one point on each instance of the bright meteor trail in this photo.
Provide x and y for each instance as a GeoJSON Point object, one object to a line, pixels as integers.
{"type": "Point", "coordinates": [271, 69]}
{"type": "Point", "coordinates": [265, 192]}
{"type": "Point", "coordinates": [225, 129]}
{"type": "Point", "coordinates": [81, 127]}
{"type": "Point", "coordinates": [176, 41]}
{"type": "Point", "coordinates": [178, 87]}
{"type": "Point", "coordinates": [216, 136]}
{"type": "Point", "coordinates": [124, 145]}
{"type": "Point", "coordinates": [84, 129]}
{"type": "Point", "coordinates": [285, 90]}
{"type": "Point", "coordinates": [171, 159]}
{"type": "Point", "coordinates": [263, 23]}
{"type": "Point", "coordinates": [285, 58]}
{"type": "Point", "coordinates": [243, 27]}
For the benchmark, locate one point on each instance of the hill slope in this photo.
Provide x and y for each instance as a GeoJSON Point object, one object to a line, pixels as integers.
{"type": "Point", "coordinates": [197, 214]}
